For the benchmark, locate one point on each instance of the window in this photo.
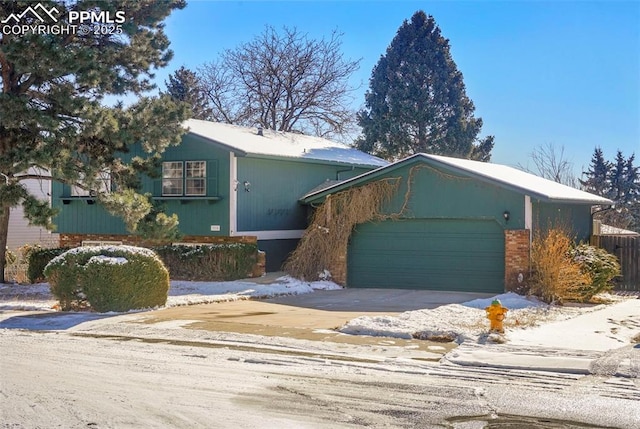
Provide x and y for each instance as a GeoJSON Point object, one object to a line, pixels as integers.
{"type": "Point", "coordinates": [100, 186]}
{"type": "Point", "coordinates": [196, 178]}
{"type": "Point", "coordinates": [188, 178]}
{"type": "Point", "coordinates": [172, 178]}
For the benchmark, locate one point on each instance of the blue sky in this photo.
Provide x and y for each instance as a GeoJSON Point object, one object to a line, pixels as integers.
{"type": "Point", "coordinates": [565, 73]}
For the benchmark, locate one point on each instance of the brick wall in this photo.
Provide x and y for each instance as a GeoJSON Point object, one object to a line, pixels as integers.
{"type": "Point", "coordinates": [75, 240]}
{"type": "Point", "coordinates": [516, 258]}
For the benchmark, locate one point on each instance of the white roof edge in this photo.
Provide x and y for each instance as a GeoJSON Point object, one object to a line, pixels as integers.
{"type": "Point", "coordinates": [519, 179]}
{"type": "Point", "coordinates": [529, 183]}
{"type": "Point", "coordinates": [280, 144]}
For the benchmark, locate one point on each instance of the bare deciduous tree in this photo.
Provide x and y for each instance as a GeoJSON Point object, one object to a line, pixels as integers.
{"type": "Point", "coordinates": [552, 163]}
{"type": "Point", "coordinates": [285, 82]}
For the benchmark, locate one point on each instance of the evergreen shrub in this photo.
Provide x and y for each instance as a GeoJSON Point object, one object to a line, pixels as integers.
{"type": "Point", "coordinates": [601, 266]}
{"type": "Point", "coordinates": [209, 262]}
{"type": "Point", "coordinates": [38, 258]}
{"type": "Point", "coordinates": [108, 278]}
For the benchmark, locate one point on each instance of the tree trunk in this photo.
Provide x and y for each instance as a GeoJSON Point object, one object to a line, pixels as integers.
{"type": "Point", "coordinates": [4, 232]}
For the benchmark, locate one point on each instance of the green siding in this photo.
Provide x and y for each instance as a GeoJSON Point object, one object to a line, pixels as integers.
{"type": "Point", "coordinates": [577, 217]}
{"type": "Point", "coordinates": [195, 215]}
{"type": "Point", "coordinates": [437, 193]}
{"type": "Point", "coordinates": [78, 217]}
{"type": "Point", "coordinates": [271, 203]}
{"type": "Point", "coordinates": [433, 254]}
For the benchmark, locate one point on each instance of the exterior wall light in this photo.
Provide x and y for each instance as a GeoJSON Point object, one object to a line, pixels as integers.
{"type": "Point", "coordinates": [506, 215]}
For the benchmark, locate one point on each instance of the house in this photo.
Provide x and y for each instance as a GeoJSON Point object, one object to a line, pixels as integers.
{"type": "Point", "coordinates": [226, 184]}
{"type": "Point", "coordinates": [20, 232]}
{"type": "Point", "coordinates": [459, 225]}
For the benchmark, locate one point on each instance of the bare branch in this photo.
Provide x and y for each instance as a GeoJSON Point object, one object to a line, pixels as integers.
{"type": "Point", "coordinates": [283, 81]}
{"type": "Point", "coordinates": [551, 163]}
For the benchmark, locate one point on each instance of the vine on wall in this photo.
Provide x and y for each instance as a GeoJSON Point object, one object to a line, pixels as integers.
{"type": "Point", "coordinates": [326, 239]}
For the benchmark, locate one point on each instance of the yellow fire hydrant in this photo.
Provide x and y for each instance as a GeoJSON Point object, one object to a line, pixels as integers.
{"type": "Point", "coordinates": [496, 313]}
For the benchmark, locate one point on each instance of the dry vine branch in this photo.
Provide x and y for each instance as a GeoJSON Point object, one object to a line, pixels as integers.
{"type": "Point", "coordinates": [325, 241]}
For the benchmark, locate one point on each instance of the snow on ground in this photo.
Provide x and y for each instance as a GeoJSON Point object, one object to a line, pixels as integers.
{"type": "Point", "coordinates": [37, 297]}
{"type": "Point", "coordinates": [529, 321]}
{"type": "Point", "coordinates": [466, 321]}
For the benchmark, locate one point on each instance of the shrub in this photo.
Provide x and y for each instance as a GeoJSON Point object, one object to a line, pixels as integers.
{"type": "Point", "coordinates": [11, 257]}
{"type": "Point", "coordinates": [209, 262]}
{"type": "Point", "coordinates": [108, 278]}
{"type": "Point", "coordinates": [38, 258]}
{"type": "Point", "coordinates": [556, 276]}
{"type": "Point", "coordinates": [601, 266]}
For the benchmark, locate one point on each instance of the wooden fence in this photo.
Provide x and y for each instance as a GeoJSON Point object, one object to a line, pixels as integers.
{"type": "Point", "coordinates": [627, 249]}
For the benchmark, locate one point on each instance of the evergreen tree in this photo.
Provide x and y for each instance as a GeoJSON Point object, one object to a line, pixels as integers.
{"type": "Point", "coordinates": [632, 184]}
{"type": "Point", "coordinates": [52, 115]}
{"type": "Point", "coordinates": [617, 189]}
{"type": "Point", "coordinates": [620, 182]}
{"type": "Point", "coordinates": [597, 176]}
{"type": "Point", "coordinates": [184, 85]}
{"type": "Point", "coordinates": [417, 100]}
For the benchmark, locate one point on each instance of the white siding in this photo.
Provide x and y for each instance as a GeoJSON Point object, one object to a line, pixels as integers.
{"type": "Point", "coordinates": [20, 232]}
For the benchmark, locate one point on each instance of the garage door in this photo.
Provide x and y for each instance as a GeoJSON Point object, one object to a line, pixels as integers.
{"type": "Point", "coordinates": [442, 254]}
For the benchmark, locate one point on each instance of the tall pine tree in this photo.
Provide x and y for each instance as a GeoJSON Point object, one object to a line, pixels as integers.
{"type": "Point", "coordinates": [52, 115]}
{"type": "Point", "coordinates": [618, 181]}
{"type": "Point", "coordinates": [185, 86]}
{"type": "Point", "coordinates": [417, 100]}
{"type": "Point", "coordinates": [597, 176]}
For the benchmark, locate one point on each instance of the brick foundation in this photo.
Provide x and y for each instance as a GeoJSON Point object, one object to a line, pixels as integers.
{"type": "Point", "coordinates": [75, 240]}
{"type": "Point", "coordinates": [517, 254]}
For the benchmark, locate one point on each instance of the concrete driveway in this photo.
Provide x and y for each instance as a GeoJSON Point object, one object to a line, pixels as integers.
{"type": "Point", "coordinates": [376, 300]}
{"type": "Point", "coordinates": [315, 316]}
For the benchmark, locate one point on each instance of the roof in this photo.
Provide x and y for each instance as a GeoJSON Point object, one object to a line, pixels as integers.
{"type": "Point", "coordinates": [500, 175]}
{"type": "Point", "coordinates": [612, 230]}
{"type": "Point", "coordinates": [246, 141]}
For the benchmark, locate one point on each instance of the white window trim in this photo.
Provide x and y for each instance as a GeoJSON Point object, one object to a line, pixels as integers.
{"type": "Point", "coordinates": [187, 178]}
{"type": "Point", "coordinates": [233, 198]}
{"type": "Point", "coordinates": [104, 181]}
{"type": "Point", "coordinates": [181, 178]}
{"type": "Point", "coordinates": [184, 179]}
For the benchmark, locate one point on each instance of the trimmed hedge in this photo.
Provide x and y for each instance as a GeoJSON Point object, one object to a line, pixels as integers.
{"type": "Point", "coordinates": [210, 262]}
{"type": "Point", "coordinates": [108, 278]}
{"type": "Point", "coordinates": [37, 259]}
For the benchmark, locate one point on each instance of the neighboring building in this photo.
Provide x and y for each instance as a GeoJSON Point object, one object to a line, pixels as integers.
{"type": "Point", "coordinates": [226, 183]}
{"type": "Point", "coordinates": [20, 232]}
{"type": "Point", "coordinates": [466, 225]}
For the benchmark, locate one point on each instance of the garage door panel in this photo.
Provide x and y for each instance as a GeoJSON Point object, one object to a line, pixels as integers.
{"type": "Point", "coordinates": [433, 254]}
